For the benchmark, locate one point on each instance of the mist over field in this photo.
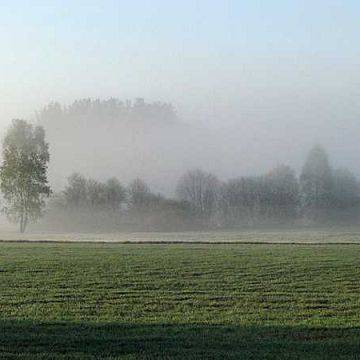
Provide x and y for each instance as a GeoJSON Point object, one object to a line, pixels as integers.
{"type": "Point", "coordinates": [187, 115]}
{"type": "Point", "coordinates": [261, 93]}
{"type": "Point", "coordinates": [250, 123]}
{"type": "Point", "coordinates": [159, 147]}
{"type": "Point", "coordinates": [129, 140]}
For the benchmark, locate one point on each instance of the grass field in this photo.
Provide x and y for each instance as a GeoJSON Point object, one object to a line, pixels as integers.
{"type": "Point", "coordinates": [180, 301]}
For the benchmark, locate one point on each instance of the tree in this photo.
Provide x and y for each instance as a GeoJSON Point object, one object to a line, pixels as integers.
{"type": "Point", "coordinates": [346, 189]}
{"type": "Point", "coordinates": [75, 192]}
{"type": "Point", "coordinates": [316, 182]}
{"type": "Point", "coordinates": [254, 199]}
{"type": "Point", "coordinates": [115, 194]}
{"type": "Point", "coordinates": [96, 195]}
{"type": "Point", "coordinates": [88, 194]}
{"type": "Point", "coordinates": [241, 200]}
{"type": "Point", "coordinates": [201, 190]}
{"type": "Point", "coordinates": [282, 195]}
{"type": "Point", "coordinates": [139, 195]}
{"type": "Point", "coordinates": [23, 173]}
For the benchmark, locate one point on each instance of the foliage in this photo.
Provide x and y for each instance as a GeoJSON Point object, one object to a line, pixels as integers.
{"type": "Point", "coordinates": [23, 172]}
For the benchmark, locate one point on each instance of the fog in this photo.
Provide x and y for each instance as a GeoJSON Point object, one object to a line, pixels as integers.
{"type": "Point", "coordinates": [250, 86]}
{"type": "Point", "coordinates": [240, 122]}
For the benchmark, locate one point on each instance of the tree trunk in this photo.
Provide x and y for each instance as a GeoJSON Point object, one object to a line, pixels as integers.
{"type": "Point", "coordinates": [23, 223]}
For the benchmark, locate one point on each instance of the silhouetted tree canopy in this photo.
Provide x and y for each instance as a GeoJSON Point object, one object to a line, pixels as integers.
{"type": "Point", "coordinates": [107, 109]}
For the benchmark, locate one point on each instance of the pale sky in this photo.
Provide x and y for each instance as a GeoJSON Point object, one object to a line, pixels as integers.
{"type": "Point", "coordinates": [280, 69]}
{"type": "Point", "coordinates": [178, 51]}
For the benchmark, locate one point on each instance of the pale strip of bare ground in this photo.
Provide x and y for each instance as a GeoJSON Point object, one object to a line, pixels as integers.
{"type": "Point", "coordinates": [342, 235]}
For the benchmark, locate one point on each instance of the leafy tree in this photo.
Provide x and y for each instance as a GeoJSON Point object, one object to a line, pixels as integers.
{"type": "Point", "coordinates": [23, 173]}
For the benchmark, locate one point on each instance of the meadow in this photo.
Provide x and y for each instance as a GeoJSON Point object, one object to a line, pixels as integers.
{"type": "Point", "coordinates": [176, 301]}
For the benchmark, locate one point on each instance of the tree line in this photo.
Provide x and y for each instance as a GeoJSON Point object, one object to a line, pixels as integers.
{"type": "Point", "coordinates": [112, 108]}
{"type": "Point", "coordinates": [318, 195]}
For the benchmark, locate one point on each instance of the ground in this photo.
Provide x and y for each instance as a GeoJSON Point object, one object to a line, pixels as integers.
{"type": "Point", "coordinates": [176, 301]}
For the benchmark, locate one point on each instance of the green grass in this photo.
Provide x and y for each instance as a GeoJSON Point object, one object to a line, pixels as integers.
{"type": "Point", "coordinates": [243, 301]}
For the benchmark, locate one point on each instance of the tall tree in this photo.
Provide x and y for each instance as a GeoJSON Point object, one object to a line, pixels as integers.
{"type": "Point", "coordinates": [23, 173]}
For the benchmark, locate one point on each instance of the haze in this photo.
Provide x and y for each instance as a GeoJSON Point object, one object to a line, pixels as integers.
{"type": "Point", "coordinates": [262, 82]}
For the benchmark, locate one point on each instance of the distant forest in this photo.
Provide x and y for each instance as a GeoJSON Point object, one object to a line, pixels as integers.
{"type": "Point", "coordinates": [319, 195]}
{"type": "Point", "coordinates": [125, 139]}
{"type": "Point", "coordinates": [107, 109]}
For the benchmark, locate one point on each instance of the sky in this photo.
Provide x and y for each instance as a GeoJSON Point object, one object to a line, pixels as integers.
{"type": "Point", "coordinates": [276, 68]}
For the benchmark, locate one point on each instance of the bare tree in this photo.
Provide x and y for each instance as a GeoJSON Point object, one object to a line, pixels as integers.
{"type": "Point", "coordinates": [201, 190]}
